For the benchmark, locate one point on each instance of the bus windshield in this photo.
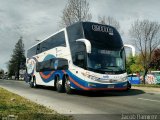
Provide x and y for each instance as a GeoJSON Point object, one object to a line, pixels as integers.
{"type": "Point", "coordinates": [104, 61]}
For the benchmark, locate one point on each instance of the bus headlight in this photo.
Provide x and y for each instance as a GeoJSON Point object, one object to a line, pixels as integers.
{"type": "Point", "coordinates": [124, 79]}
{"type": "Point", "coordinates": [92, 77]}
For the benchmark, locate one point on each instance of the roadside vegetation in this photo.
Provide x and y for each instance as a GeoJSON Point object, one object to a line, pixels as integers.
{"type": "Point", "coordinates": [147, 85]}
{"type": "Point", "coordinates": [18, 108]}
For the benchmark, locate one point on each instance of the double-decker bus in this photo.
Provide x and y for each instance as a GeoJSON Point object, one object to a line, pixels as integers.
{"type": "Point", "coordinates": [84, 56]}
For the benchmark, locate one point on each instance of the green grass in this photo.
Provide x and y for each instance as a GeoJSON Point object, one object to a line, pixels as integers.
{"type": "Point", "coordinates": [12, 104]}
{"type": "Point", "coordinates": [148, 85]}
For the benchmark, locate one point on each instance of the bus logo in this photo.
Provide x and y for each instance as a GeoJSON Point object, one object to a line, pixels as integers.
{"type": "Point", "coordinates": [105, 77]}
{"type": "Point", "coordinates": [100, 28]}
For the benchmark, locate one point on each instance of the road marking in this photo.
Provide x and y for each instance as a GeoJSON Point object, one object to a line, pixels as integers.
{"type": "Point", "coordinates": [149, 99]}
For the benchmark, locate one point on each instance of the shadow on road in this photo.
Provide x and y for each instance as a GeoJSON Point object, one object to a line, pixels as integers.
{"type": "Point", "coordinates": [131, 92]}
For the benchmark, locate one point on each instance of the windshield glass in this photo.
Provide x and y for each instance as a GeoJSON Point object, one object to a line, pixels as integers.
{"type": "Point", "coordinates": [104, 61]}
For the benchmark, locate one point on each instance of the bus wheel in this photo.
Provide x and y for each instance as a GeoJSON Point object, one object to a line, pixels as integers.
{"type": "Point", "coordinates": [128, 85]}
{"type": "Point", "coordinates": [68, 88]}
{"type": "Point", "coordinates": [33, 83]}
{"type": "Point", "coordinates": [59, 85]}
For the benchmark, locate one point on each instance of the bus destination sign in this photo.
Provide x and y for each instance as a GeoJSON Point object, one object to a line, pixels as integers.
{"type": "Point", "coordinates": [100, 28]}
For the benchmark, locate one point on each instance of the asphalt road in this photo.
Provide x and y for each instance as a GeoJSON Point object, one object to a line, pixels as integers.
{"type": "Point", "coordinates": [91, 105]}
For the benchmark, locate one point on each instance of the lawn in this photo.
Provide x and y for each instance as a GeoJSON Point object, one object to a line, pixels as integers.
{"type": "Point", "coordinates": [148, 85]}
{"type": "Point", "coordinates": [16, 107]}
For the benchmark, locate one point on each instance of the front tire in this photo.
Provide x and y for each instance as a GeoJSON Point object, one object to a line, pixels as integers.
{"type": "Point", "coordinates": [128, 85]}
{"type": "Point", "coordinates": [68, 88]}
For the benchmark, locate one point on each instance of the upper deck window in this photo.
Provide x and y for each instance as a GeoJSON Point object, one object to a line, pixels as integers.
{"type": "Point", "coordinates": [54, 41]}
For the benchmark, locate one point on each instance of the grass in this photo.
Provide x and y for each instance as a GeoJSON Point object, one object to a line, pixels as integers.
{"type": "Point", "coordinates": [148, 85]}
{"type": "Point", "coordinates": [15, 106]}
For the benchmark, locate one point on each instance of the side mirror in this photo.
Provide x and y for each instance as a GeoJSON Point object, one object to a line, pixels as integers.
{"type": "Point", "coordinates": [132, 47]}
{"type": "Point", "coordinates": [87, 43]}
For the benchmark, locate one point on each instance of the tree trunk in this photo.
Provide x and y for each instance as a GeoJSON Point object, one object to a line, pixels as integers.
{"type": "Point", "coordinates": [18, 71]}
{"type": "Point", "coordinates": [145, 73]}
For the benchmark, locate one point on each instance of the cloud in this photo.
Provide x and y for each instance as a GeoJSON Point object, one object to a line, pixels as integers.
{"type": "Point", "coordinates": [32, 19]}
{"type": "Point", "coordinates": [127, 11]}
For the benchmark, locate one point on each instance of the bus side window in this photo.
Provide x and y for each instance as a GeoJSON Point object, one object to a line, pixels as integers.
{"type": "Point", "coordinates": [80, 59]}
{"type": "Point", "coordinates": [44, 49]}
{"type": "Point", "coordinates": [38, 49]}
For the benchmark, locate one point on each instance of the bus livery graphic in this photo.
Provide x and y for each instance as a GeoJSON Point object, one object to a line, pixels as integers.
{"type": "Point", "coordinates": [83, 56]}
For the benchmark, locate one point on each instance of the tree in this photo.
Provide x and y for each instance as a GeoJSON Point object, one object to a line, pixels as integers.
{"type": "Point", "coordinates": [129, 62]}
{"type": "Point", "coordinates": [145, 35]}
{"type": "Point", "coordinates": [17, 60]}
{"type": "Point", "coordinates": [156, 59]}
{"type": "Point", "coordinates": [136, 68]}
{"type": "Point", "coordinates": [1, 73]}
{"type": "Point", "coordinates": [133, 64]}
{"type": "Point", "coordinates": [109, 21]}
{"type": "Point", "coordinates": [75, 11]}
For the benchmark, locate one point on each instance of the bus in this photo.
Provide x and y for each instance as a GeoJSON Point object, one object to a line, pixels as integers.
{"type": "Point", "coordinates": [84, 56]}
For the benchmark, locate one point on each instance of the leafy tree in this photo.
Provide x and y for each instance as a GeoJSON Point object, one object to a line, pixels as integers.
{"type": "Point", "coordinates": [17, 60]}
{"type": "Point", "coordinates": [1, 73]}
{"type": "Point", "coordinates": [129, 62]}
{"type": "Point", "coordinates": [134, 64]}
{"type": "Point", "coordinates": [156, 59]}
{"type": "Point", "coordinates": [145, 35]}
{"type": "Point", "coordinates": [75, 11]}
{"type": "Point", "coordinates": [136, 68]}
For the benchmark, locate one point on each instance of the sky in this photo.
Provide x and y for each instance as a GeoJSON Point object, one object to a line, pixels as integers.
{"type": "Point", "coordinates": [37, 19]}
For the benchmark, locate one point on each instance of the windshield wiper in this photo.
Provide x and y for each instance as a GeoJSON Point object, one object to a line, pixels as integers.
{"type": "Point", "coordinates": [104, 69]}
{"type": "Point", "coordinates": [116, 67]}
{"type": "Point", "coordinates": [99, 69]}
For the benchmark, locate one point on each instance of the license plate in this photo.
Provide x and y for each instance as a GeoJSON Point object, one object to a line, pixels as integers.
{"type": "Point", "coordinates": [110, 86]}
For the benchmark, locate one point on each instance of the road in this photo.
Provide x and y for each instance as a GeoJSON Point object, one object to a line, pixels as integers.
{"type": "Point", "coordinates": [90, 105]}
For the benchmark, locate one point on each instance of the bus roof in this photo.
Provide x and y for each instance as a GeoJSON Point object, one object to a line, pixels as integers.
{"type": "Point", "coordinates": [85, 26]}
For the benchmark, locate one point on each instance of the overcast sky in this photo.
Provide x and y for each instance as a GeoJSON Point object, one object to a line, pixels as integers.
{"type": "Point", "coordinates": [37, 19]}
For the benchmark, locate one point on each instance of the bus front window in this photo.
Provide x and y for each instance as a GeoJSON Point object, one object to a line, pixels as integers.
{"type": "Point", "coordinates": [103, 61]}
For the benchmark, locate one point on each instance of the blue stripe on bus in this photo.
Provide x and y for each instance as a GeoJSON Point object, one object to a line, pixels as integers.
{"type": "Point", "coordinates": [85, 83]}
{"type": "Point", "coordinates": [79, 81]}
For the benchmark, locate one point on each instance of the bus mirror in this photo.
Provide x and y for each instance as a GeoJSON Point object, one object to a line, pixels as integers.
{"type": "Point", "coordinates": [132, 48]}
{"type": "Point", "coordinates": [87, 44]}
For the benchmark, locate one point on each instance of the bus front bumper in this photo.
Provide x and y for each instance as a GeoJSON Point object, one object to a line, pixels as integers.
{"type": "Point", "coordinates": [91, 86]}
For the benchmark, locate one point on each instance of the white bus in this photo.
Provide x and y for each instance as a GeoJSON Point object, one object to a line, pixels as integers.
{"type": "Point", "coordinates": [84, 56]}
